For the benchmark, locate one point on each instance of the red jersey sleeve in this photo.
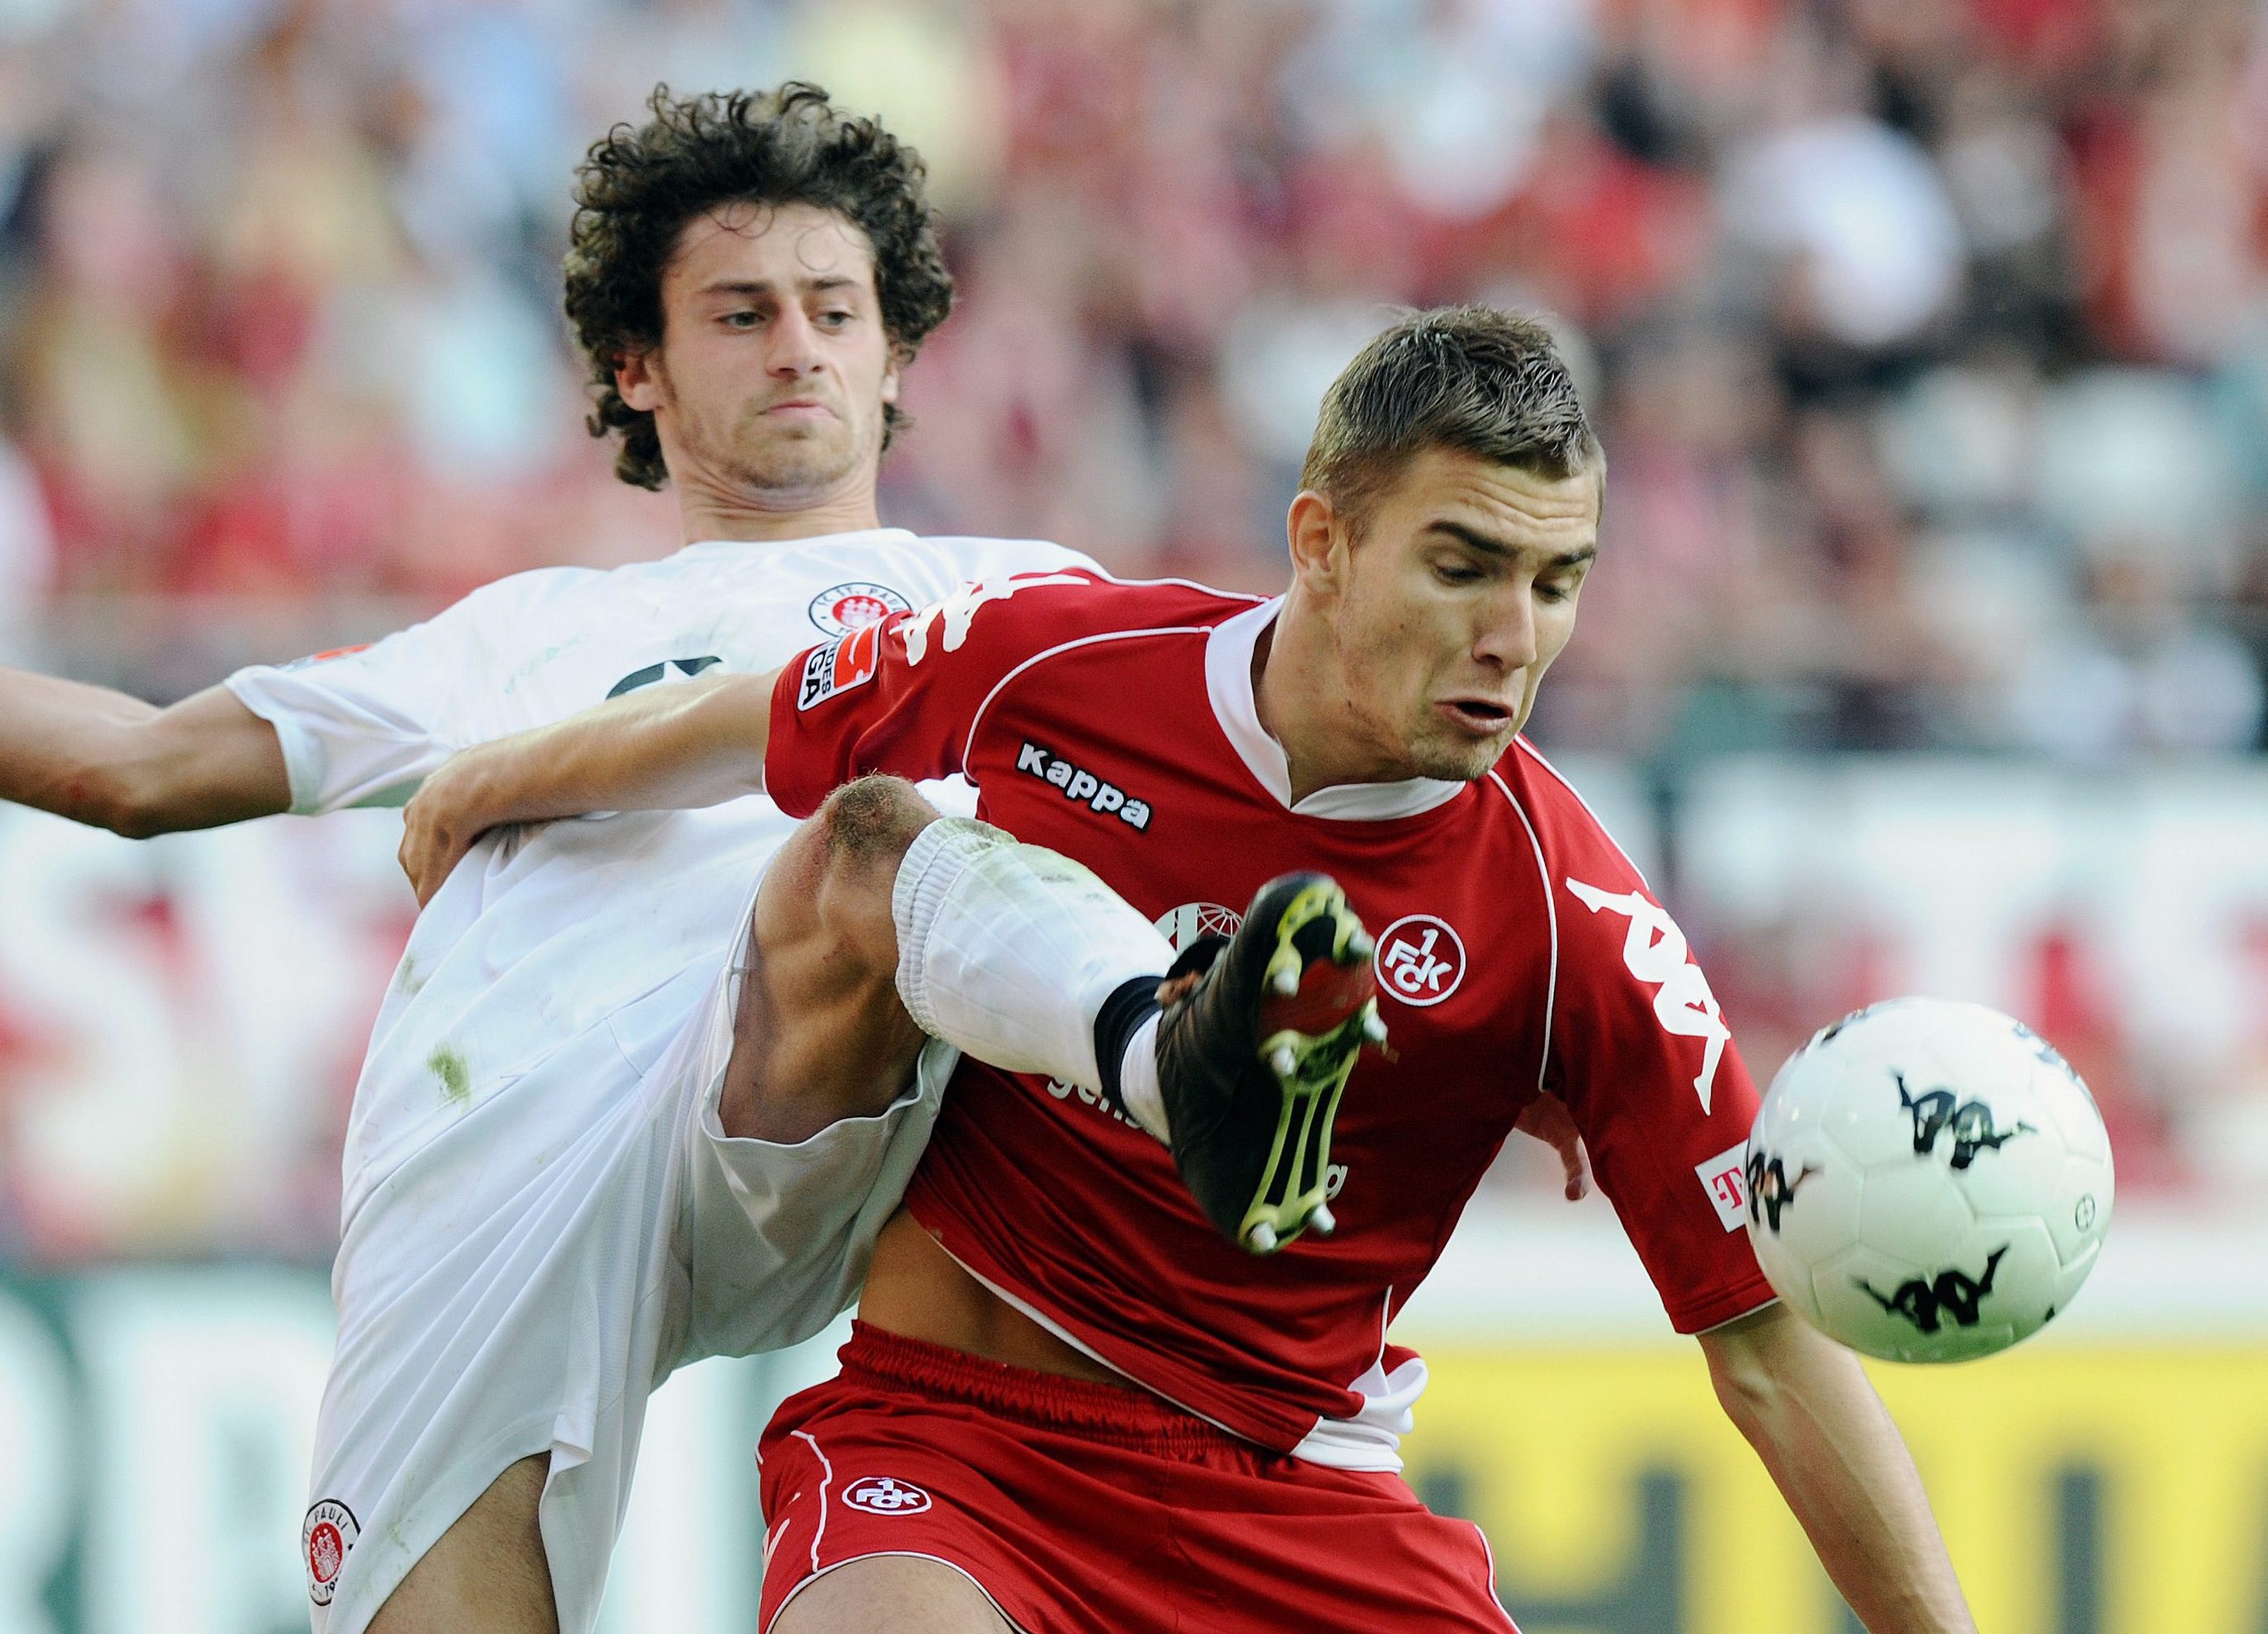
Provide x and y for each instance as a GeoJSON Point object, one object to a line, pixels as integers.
{"type": "Point", "coordinates": [1642, 1056]}
{"type": "Point", "coordinates": [904, 697]}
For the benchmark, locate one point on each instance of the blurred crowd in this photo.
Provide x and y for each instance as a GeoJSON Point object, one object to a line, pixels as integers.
{"type": "Point", "coordinates": [1929, 337]}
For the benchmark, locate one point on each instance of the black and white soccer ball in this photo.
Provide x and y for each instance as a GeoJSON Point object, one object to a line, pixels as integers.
{"type": "Point", "coordinates": [1928, 1181]}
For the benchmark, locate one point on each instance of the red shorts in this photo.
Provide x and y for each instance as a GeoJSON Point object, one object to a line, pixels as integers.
{"type": "Point", "coordinates": [1080, 1506]}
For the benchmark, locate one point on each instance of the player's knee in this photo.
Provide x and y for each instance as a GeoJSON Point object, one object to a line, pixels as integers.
{"type": "Point", "coordinates": [858, 837]}
{"type": "Point", "coordinates": [866, 826]}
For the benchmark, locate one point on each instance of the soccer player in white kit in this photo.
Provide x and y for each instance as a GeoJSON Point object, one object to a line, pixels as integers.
{"type": "Point", "coordinates": [548, 1202]}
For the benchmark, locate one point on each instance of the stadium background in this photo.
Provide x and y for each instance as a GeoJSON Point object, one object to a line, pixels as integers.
{"type": "Point", "coordinates": [1929, 339]}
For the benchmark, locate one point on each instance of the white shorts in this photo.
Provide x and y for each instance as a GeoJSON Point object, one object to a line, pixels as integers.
{"type": "Point", "coordinates": [522, 1279]}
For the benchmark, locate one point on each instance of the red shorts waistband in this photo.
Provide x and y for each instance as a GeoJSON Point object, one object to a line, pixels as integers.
{"type": "Point", "coordinates": [1117, 1415]}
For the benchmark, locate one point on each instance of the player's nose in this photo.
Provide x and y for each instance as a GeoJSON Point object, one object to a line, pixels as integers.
{"type": "Point", "coordinates": [794, 344]}
{"type": "Point", "coordinates": [1505, 639]}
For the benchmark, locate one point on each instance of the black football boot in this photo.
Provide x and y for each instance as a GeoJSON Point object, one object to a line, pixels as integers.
{"type": "Point", "coordinates": [1259, 1033]}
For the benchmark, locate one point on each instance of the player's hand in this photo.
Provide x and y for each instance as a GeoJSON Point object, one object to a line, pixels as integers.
{"type": "Point", "coordinates": [445, 819]}
{"type": "Point", "coordinates": [1549, 1121]}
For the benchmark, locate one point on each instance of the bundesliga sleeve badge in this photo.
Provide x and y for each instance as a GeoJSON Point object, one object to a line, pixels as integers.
{"type": "Point", "coordinates": [840, 665]}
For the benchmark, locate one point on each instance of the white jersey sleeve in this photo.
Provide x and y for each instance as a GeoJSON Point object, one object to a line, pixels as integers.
{"type": "Point", "coordinates": [365, 725]}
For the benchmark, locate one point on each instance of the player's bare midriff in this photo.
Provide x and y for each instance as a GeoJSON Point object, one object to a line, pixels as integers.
{"type": "Point", "coordinates": [917, 1290]}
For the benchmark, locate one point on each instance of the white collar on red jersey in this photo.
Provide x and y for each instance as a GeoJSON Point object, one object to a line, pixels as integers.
{"type": "Point", "coordinates": [1228, 681]}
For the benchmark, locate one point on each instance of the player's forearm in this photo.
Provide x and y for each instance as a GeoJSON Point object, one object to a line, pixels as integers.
{"type": "Point", "coordinates": [663, 748]}
{"type": "Point", "coordinates": [1808, 1409]}
{"type": "Point", "coordinates": [60, 745]}
{"type": "Point", "coordinates": [101, 757]}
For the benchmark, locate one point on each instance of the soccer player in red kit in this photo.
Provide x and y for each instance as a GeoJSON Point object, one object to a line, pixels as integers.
{"type": "Point", "coordinates": [1072, 1404]}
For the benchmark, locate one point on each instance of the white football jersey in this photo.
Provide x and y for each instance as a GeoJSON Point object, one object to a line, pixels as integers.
{"type": "Point", "coordinates": [543, 1216]}
{"type": "Point", "coordinates": [537, 936]}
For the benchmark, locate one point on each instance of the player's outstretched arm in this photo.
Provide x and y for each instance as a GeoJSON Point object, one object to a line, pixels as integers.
{"type": "Point", "coordinates": [1808, 1409]}
{"type": "Point", "coordinates": [660, 748]}
{"type": "Point", "coordinates": [98, 757]}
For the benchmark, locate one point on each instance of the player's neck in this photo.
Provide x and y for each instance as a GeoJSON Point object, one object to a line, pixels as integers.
{"type": "Point", "coordinates": [1298, 695]}
{"type": "Point", "coordinates": [708, 512]}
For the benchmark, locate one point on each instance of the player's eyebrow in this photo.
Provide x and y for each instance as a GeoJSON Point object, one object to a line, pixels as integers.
{"type": "Point", "coordinates": [1487, 546]}
{"type": "Point", "coordinates": [765, 286]}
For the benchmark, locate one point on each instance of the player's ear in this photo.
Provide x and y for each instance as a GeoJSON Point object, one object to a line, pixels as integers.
{"type": "Point", "coordinates": [638, 377]}
{"type": "Point", "coordinates": [892, 373]}
{"type": "Point", "coordinates": [1313, 532]}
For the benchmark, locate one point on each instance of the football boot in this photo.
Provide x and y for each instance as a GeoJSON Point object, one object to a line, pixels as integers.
{"type": "Point", "coordinates": [1258, 1035]}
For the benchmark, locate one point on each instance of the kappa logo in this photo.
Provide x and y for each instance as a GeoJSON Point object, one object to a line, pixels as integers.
{"type": "Point", "coordinates": [882, 1495]}
{"type": "Point", "coordinates": [1927, 1301]}
{"type": "Point", "coordinates": [841, 665]}
{"type": "Point", "coordinates": [1772, 1191]}
{"type": "Point", "coordinates": [959, 610]}
{"type": "Point", "coordinates": [1076, 783]}
{"type": "Point", "coordinates": [325, 1538]}
{"type": "Point", "coordinates": [1655, 952]}
{"type": "Point", "coordinates": [652, 672]}
{"type": "Point", "coordinates": [1420, 959]}
{"type": "Point", "coordinates": [841, 608]}
{"type": "Point", "coordinates": [1935, 1111]}
{"type": "Point", "coordinates": [1725, 1178]}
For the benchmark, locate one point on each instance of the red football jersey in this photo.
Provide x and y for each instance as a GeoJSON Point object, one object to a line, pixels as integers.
{"type": "Point", "coordinates": [1518, 949]}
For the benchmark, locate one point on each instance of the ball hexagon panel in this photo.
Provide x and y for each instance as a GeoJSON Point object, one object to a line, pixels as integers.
{"type": "Point", "coordinates": [2066, 1102]}
{"type": "Point", "coordinates": [2009, 1159]}
{"type": "Point", "coordinates": [1912, 1214]}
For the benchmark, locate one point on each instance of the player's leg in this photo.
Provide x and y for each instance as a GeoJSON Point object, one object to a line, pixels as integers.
{"type": "Point", "coordinates": [819, 1033]}
{"type": "Point", "coordinates": [905, 1593]}
{"type": "Point", "coordinates": [487, 1571]}
{"type": "Point", "coordinates": [508, 1293]}
{"type": "Point", "coordinates": [880, 923]}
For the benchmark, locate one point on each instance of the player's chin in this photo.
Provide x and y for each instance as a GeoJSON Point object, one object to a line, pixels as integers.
{"type": "Point", "coordinates": [796, 465]}
{"type": "Point", "coordinates": [1463, 758]}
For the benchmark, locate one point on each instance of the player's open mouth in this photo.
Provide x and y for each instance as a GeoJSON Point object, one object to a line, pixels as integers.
{"type": "Point", "coordinates": [1476, 716]}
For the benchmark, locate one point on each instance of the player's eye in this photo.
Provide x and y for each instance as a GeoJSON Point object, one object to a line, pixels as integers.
{"type": "Point", "coordinates": [1456, 573]}
{"type": "Point", "coordinates": [1554, 591]}
{"type": "Point", "coordinates": [836, 319]}
{"type": "Point", "coordinates": [741, 320]}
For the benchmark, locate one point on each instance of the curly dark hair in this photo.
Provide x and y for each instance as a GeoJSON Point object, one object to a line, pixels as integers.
{"type": "Point", "coordinates": [638, 187]}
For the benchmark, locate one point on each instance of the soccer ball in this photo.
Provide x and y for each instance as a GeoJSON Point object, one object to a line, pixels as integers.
{"type": "Point", "coordinates": [1928, 1181]}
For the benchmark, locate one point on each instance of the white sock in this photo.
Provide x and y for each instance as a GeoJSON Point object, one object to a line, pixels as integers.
{"type": "Point", "coordinates": [1007, 951]}
{"type": "Point", "coordinates": [1138, 1081]}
